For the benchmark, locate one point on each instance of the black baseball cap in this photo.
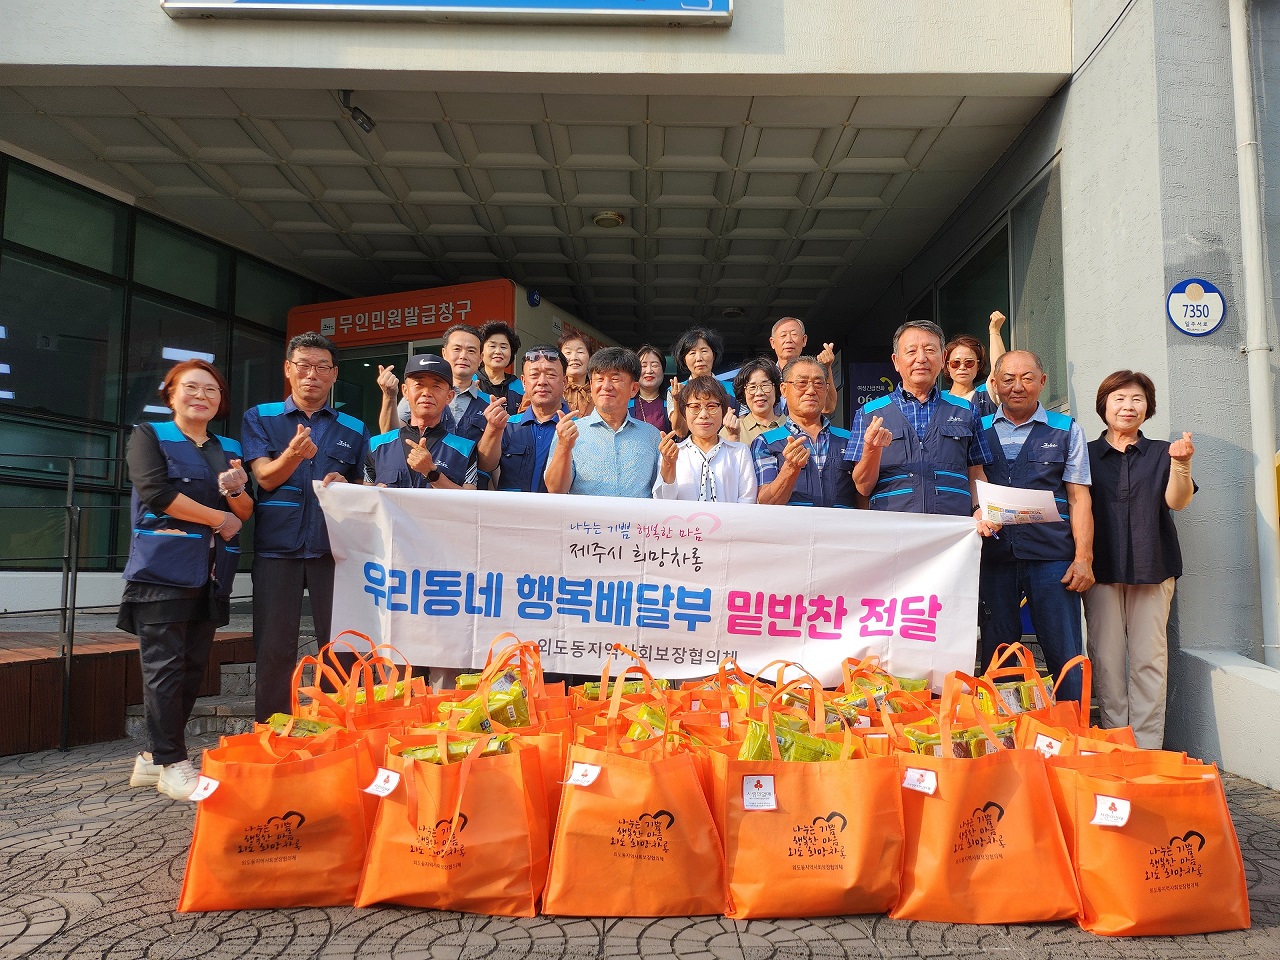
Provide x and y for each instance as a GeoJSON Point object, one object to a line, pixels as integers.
{"type": "Point", "coordinates": [429, 363]}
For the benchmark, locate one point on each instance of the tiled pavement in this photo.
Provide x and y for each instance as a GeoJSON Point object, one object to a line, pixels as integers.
{"type": "Point", "coordinates": [92, 868]}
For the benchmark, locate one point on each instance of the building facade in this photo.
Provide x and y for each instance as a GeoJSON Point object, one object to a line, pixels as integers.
{"type": "Point", "coordinates": [850, 162]}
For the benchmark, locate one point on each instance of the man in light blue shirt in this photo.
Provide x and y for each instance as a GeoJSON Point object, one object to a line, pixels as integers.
{"type": "Point", "coordinates": [607, 453]}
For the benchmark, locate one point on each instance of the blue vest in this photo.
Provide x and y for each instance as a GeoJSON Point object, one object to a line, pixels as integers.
{"type": "Point", "coordinates": [982, 402]}
{"type": "Point", "coordinates": [186, 559]}
{"type": "Point", "coordinates": [833, 487]}
{"type": "Point", "coordinates": [288, 521]}
{"type": "Point", "coordinates": [929, 475]}
{"type": "Point", "coordinates": [520, 454]}
{"type": "Point", "coordinates": [1038, 466]}
{"type": "Point", "coordinates": [471, 424]}
{"type": "Point", "coordinates": [389, 455]}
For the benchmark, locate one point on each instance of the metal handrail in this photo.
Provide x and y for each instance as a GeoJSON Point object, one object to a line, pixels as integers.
{"type": "Point", "coordinates": [70, 578]}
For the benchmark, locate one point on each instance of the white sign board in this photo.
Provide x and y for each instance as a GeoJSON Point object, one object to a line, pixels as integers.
{"type": "Point", "coordinates": [1196, 307]}
{"type": "Point", "coordinates": [440, 573]}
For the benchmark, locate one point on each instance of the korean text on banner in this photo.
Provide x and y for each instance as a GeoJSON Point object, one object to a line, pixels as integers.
{"type": "Point", "coordinates": [440, 572]}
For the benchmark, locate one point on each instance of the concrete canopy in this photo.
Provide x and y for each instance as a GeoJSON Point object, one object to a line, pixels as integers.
{"type": "Point", "coordinates": [792, 164]}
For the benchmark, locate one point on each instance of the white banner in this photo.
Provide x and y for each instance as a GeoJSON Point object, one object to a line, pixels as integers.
{"type": "Point", "coordinates": [440, 573]}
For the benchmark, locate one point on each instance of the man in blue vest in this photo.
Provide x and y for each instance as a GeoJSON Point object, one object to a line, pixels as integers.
{"type": "Point", "coordinates": [520, 445]}
{"type": "Point", "coordinates": [465, 415]}
{"type": "Point", "coordinates": [1049, 563]}
{"type": "Point", "coordinates": [801, 463]}
{"type": "Point", "coordinates": [918, 449]}
{"type": "Point", "coordinates": [287, 446]}
{"type": "Point", "coordinates": [423, 453]}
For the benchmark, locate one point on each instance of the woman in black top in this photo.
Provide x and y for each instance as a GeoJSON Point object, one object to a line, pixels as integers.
{"type": "Point", "coordinates": [1137, 483]}
{"type": "Point", "coordinates": [498, 345]}
{"type": "Point", "coordinates": [189, 500]}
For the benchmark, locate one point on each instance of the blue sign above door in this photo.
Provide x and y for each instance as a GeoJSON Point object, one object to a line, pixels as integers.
{"type": "Point", "coordinates": [608, 12]}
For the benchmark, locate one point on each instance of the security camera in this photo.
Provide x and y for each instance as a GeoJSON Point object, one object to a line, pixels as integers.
{"type": "Point", "coordinates": [362, 120]}
{"type": "Point", "coordinates": [358, 116]}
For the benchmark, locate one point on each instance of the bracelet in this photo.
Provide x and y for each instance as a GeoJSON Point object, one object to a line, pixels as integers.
{"type": "Point", "coordinates": [225, 518]}
{"type": "Point", "coordinates": [231, 496]}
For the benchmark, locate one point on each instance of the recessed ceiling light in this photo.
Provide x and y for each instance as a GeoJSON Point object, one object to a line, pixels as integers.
{"type": "Point", "coordinates": [608, 219]}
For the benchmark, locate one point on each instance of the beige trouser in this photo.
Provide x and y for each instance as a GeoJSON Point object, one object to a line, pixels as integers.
{"type": "Point", "coordinates": [1127, 642]}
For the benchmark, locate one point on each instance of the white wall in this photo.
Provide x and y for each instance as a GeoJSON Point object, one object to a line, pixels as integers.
{"type": "Point", "coordinates": [1144, 137]}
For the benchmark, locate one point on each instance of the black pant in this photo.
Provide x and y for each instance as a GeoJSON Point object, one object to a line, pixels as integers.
{"type": "Point", "coordinates": [174, 657]}
{"type": "Point", "coordinates": [277, 615]}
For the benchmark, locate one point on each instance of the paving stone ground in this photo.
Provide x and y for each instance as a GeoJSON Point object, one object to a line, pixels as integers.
{"type": "Point", "coordinates": [90, 868]}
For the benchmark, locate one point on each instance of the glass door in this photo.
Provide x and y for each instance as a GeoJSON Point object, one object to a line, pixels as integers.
{"type": "Point", "coordinates": [356, 392]}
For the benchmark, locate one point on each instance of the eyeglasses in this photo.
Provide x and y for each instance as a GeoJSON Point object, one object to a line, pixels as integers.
{"type": "Point", "coordinates": [962, 364]}
{"type": "Point", "coordinates": [765, 387]}
{"type": "Point", "coordinates": [817, 383]}
{"type": "Point", "coordinates": [322, 369]}
{"type": "Point", "coordinates": [200, 390]}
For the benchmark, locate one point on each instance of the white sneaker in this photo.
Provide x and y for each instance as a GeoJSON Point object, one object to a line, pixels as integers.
{"type": "Point", "coordinates": [145, 773]}
{"type": "Point", "coordinates": [178, 780]}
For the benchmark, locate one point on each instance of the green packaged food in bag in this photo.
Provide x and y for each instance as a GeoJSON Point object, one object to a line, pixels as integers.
{"type": "Point", "coordinates": [912, 685]}
{"type": "Point", "coordinates": [647, 721]}
{"type": "Point", "coordinates": [509, 707]}
{"type": "Point", "coordinates": [591, 689]}
{"type": "Point", "coordinates": [282, 724]}
{"type": "Point", "coordinates": [793, 745]}
{"type": "Point", "coordinates": [458, 749]}
{"type": "Point", "coordinates": [471, 681]}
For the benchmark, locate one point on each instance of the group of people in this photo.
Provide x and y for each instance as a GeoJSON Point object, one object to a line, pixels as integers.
{"type": "Point", "coordinates": [602, 424]}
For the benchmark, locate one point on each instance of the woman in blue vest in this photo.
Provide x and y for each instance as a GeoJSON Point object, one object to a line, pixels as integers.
{"type": "Point", "coordinates": [189, 500]}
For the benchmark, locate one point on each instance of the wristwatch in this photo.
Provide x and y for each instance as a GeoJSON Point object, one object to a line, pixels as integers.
{"type": "Point", "coordinates": [434, 475]}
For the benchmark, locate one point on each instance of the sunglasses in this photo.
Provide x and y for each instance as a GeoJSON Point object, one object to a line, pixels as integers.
{"type": "Point", "coordinates": [541, 353]}
{"type": "Point", "coordinates": [962, 364]}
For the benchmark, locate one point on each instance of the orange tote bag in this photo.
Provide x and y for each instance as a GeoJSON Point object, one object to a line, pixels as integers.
{"type": "Point", "coordinates": [283, 828]}
{"type": "Point", "coordinates": [1154, 848]}
{"type": "Point", "coordinates": [807, 839]}
{"type": "Point", "coordinates": [469, 836]}
{"type": "Point", "coordinates": [983, 844]}
{"type": "Point", "coordinates": [635, 837]}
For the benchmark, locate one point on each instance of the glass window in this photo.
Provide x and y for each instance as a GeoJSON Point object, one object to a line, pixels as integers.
{"type": "Point", "coordinates": [51, 215]}
{"type": "Point", "coordinates": [160, 336]}
{"type": "Point", "coordinates": [922, 309]}
{"type": "Point", "coordinates": [1039, 307]}
{"type": "Point", "coordinates": [266, 295]}
{"type": "Point", "coordinates": [981, 285]}
{"type": "Point", "coordinates": [257, 372]}
{"type": "Point", "coordinates": [179, 263]}
{"type": "Point", "coordinates": [59, 341]}
{"type": "Point", "coordinates": [33, 528]}
{"type": "Point", "coordinates": [35, 449]}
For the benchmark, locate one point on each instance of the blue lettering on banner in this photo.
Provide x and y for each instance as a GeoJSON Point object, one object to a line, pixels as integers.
{"type": "Point", "coordinates": [450, 593]}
